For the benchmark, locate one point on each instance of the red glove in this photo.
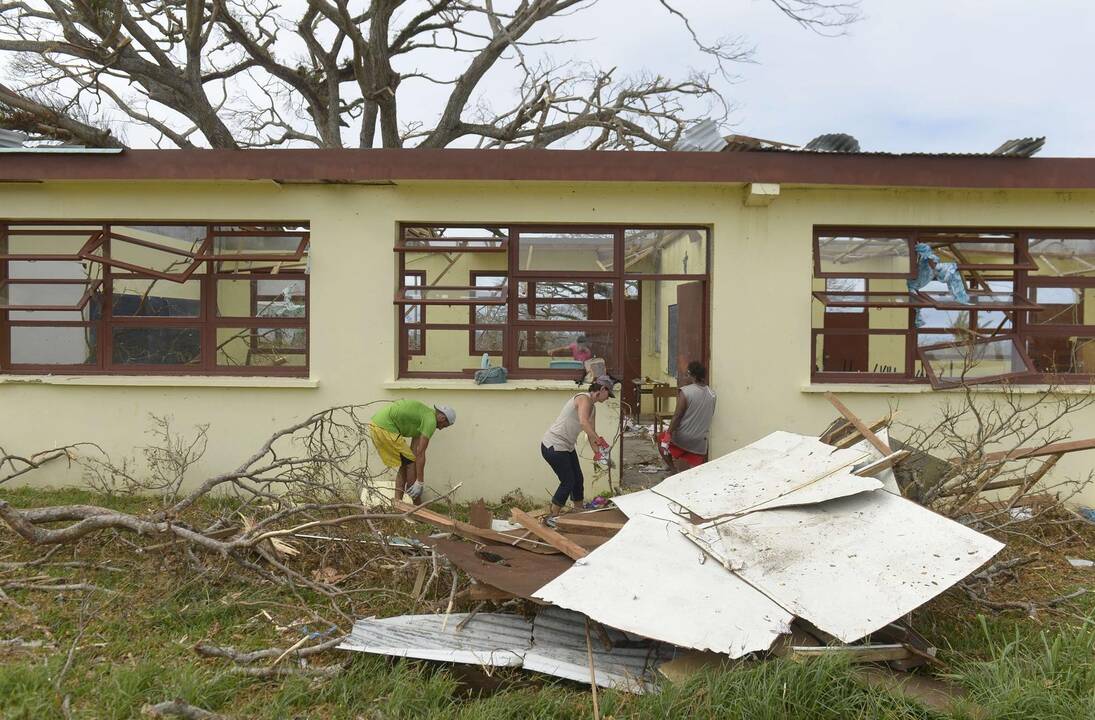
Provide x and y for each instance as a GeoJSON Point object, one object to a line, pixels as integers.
{"type": "Point", "coordinates": [664, 437]}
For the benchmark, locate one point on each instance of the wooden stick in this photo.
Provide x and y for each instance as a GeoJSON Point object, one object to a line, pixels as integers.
{"type": "Point", "coordinates": [592, 675]}
{"type": "Point", "coordinates": [565, 545]}
{"type": "Point", "coordinates": [588, 527]}
{"type": "Point", "coordinates": [854, 438]}
{"type": "Point", "coordinates": [1054, 449]}
{"type": "Point", "coordinates": [879, 465]}
{"type": "Point", "coordinates": [1033, 479]}
{"type": "Point", "coordinates": [470, 531]}
{"type": "Point", "coordinates": [863, 429]}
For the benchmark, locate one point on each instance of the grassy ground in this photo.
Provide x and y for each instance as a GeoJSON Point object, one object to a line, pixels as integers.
{"type": "Point", "coordinates": [135, 646]}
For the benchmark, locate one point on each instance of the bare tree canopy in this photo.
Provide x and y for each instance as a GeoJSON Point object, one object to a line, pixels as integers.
{"type": "Point", "coordinates": [328, 73]}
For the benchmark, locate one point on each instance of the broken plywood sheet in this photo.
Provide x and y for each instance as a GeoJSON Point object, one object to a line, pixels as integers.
{"type": "Point", "coordinates": [651, 581]}
{"type": "Point", "coordinates": [851, 565]}
{"type": "Point", "coordinates": [487, 639]}
{"type": "Point", "coordinates": [513, 570]}
{"type": "Point", "coordinates": [779, 470]}
{"type": "Point", "coordinates": [559, 648]}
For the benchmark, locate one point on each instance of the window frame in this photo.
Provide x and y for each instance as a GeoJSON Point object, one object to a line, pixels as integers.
{"type": "Point", "coordinates": [1022, 273]}
{"type": "Point", "coordinates": [207, 322]}
{"type": "Point", "coordinates": [513, 326]}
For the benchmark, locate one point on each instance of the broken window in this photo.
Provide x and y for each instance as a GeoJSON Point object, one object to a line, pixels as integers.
{"type": "Point", "coordinates": [152, 297]}
{"type": "Point", "coordinates": [679, 251]}
{"type": "Point", "coordinates": [538, 300]}
{"type": "Point", "coordinates": [864, 255]}
{"type": "Point", "coordinates": [1017, 300]}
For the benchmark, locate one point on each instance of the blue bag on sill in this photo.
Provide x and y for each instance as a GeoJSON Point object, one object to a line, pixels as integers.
{"type": "Point", "coordinates": [491, 376]}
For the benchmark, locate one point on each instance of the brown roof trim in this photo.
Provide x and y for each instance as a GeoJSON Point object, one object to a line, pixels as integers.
{"type": "Point", "coordinates": [377, 166]}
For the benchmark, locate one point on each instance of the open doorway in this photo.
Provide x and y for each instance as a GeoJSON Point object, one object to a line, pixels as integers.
{"type": "Point", "coordinates": [665, 322]}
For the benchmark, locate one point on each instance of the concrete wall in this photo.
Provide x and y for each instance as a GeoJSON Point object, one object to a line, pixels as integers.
{"type": "Point", "coordinates": [761, 314]}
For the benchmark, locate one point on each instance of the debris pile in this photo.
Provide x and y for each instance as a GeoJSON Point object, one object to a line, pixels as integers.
{"type": "Point", "coordinates": [789, 546]}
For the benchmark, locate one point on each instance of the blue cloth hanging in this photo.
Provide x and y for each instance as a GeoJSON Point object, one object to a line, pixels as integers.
{"type": "Point", "coordinates": [943, 272]}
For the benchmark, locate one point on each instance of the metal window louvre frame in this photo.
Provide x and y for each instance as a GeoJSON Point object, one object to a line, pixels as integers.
{"type": "Point", "coordinates": [877, 233]}
{"type": "Point", "coordinates": [401, 295]}
{"type": "Point", "coordinates": [942, 383]}
{"type": "Point", "coordinates": [871, 299]}
{"type": "Point", "coordinates": [945, 302]}
{"type": "Point", "coordinates": [99, 242]}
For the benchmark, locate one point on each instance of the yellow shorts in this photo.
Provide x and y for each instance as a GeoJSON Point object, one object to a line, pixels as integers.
{"type": "Point", "coordinates": [390, 446]}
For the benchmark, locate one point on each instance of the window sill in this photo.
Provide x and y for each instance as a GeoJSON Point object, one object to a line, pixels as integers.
{"type": "Point", "coordinates": [462, 384]}
{"type": "Point", "coordinates": [911, 389]}
{"type": "Point", "coordinates": [218, 381]}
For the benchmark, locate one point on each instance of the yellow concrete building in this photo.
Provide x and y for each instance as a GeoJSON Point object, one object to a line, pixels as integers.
{"type": "Point", "coordinates": [245, 289]}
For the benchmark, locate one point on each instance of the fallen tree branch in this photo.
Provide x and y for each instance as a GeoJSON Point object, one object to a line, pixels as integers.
{"type": "Point", "coordinates": [246, 658]}
{"type": "Point", "coordinates": [179, 709]}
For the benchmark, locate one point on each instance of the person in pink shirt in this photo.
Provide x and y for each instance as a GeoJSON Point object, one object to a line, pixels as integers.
{"type": "Point", "coordinates": [579, 349]}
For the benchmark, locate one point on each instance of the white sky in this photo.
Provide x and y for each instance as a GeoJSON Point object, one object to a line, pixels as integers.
{"type": "Point", "coordinates": [912, 75]}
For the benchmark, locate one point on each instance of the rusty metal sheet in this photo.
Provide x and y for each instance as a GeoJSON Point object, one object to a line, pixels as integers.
{"type": "Point", "coordinates": [517, 572]}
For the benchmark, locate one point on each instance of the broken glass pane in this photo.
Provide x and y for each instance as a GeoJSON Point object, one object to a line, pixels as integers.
{"type": "Point", "coordinates": [144, 345]}
{"type": "Point", "coordinates": [1063, 257]}
{"type": "Point", "coordinates": [262, 347]}
{"type": "Point", "coordinates": [974, 362]}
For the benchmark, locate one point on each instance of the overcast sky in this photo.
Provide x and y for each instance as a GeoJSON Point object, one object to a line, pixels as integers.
{"type": "Point", "coordinates": [911, 75]}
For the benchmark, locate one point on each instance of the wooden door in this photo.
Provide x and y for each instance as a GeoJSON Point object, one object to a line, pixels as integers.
{"type": "Point", "coordinates": [690, 326]}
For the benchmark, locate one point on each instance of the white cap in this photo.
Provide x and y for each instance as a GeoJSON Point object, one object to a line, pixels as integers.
{"type": "Point", "coordinates": [448, 412]}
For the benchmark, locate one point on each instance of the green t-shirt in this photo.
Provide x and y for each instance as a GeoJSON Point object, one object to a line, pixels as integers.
{"type": "Point", "coordinates": [408, 418]}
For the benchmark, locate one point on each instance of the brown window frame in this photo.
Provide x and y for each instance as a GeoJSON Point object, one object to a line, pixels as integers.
{"type": "Point", "coordinates": [513, 326]}
{"type": "Point", "coordinates": [1021, 274]}
{"type": "Point", "coordinates": [207, 322]}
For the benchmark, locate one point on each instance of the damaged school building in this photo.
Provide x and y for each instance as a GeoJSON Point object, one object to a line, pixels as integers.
{"type": "Point", "coordinates": [245, 289]}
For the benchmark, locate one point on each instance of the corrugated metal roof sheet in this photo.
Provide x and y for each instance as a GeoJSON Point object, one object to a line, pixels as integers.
{"type": "Point", "coordinates": [488, 638]}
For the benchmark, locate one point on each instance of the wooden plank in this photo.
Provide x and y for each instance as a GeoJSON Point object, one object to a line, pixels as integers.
{"type": "Point", "coordinates": [469, 531]}
{"type": "Point", "coordinates": [865, 431]}
{"type": "Point", "coordinates": [1033, 452]}
{"type": "Point", "coordinates": [606, 528]}
{"type": "Point", "coordinates": [853, 653]}
{"type": "Point", "coordinates": [879, 465]}
{"type": "Point", "coordinates": [559, 542]}
{"type": "Point", "coordinates": [845, 441]}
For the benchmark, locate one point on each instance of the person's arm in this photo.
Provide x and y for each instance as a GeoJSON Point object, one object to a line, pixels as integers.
{"type": "Point", "coordinates": [585, 417]}
{"type": "Point", "coordinates": [418, 447]}
{"type": "Point", "coordinates": [682, 405]}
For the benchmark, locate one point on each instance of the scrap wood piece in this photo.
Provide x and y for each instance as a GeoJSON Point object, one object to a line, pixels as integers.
{"type": "Point", "coordinates": [493, 639]}
{"type": "Point", "coordinates": [933, 693]}
{"type": "Point", "coordinates": [519, 572]}
{"type": "Point", "coordinates": [470, 531]}
{"type": "Point", "coordinates": [592, 523]}
{"type": "Point", "coordinates": [479, 515]}
{"type": "Point", "coordinates": [881, 464]}
{"type": "Point", "coordinates": [557, 541]}
{"type": "Point", "coordinates": [780, 469]}
{"type": "Point", "coordinates": [865, 431]}
{"type": "Point", "coordinates": [651, 581]}
{"type": "Point", "coordinates": [849, 566]}
{"type": "Point", "coordinates": [852, 653]}
{"type": "Point", "coordinates": [1033, 452]}
{"type": "Point", "coordinates": [482, 591]}
{"type": "Point", "coordinates": [846, 434]}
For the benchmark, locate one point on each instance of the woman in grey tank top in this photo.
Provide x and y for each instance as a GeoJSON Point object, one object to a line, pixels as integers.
{"type": "Point", "coordinates": [558, 444]}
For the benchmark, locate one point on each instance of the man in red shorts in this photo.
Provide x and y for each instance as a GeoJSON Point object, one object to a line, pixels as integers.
{"type": "Point", "coordinates": [685, 442]}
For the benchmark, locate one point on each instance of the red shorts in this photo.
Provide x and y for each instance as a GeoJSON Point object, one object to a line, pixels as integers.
{"type": "Point", "coordinates": [690, 459]}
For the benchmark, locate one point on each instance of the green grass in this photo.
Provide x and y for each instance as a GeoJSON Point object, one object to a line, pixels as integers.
{"type": "Point", "coordinates": [137, 648]}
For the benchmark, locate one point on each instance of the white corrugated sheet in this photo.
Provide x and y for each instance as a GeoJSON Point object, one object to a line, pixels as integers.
{"type": "Point", "coordinates": [487, 639]}
{"type": "Point", "coordinates": [651, 581]}
{"type": "Point", "coordinates": [779, 470]}
{"type": "Point", "coordinates": [851, 565]}
{"type": "Point", "coordinates": [559, 648]}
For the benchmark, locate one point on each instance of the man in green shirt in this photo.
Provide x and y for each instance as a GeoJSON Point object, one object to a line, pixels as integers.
{"type": "Point", "coordinates": [393, 426]}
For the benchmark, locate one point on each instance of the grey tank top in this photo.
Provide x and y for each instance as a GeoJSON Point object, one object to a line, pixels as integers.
{"type": "Point", "coordinates": [563, 433]}
{"type": "Point", "coordinates": [691, 433]}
